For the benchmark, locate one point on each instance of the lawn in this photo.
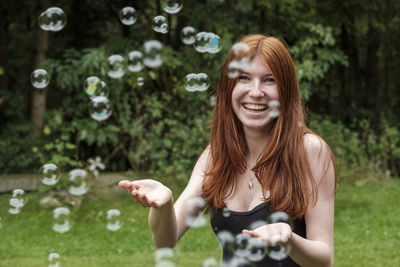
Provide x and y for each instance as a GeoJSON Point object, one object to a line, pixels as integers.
{"type": "Point", "coordinates": [367, 232]}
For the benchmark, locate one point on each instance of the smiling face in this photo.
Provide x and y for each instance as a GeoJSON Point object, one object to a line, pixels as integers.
{"type": "Point", "coordinates": [255, 97]}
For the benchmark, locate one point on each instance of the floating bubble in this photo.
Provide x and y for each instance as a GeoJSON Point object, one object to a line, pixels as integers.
{"type": "Point", "coordinates": [277, 252]}
{"type": "Point", "coordinates": [238, 48]}
{"type": "Point", "coordinates": [135, 61]}
{"type": "Point", "coordinates": [257, 249]}
{"type": "Point", "coordinates": [61, 220]}
{"type": "Point", "coordinates": [128, 15]}
{"type": "Point", "coordinates": [213, 100]}
{"type": "Point", "coordinates": [213, 44]}
{"type": "Point", "coordinates": [196, 218]}
{"type": "Point", "coordinates": [201, 42]}
{"type": "Point", "coordinates": [100, 108]}
{"type": "Point", "coordinates": [242, 245]}
{"type": "Point", "coordinates": [226, 212]}
{"type": "Point", "coordinates": [54, 258]}
{"type": "Point", "coordinates": [210, 262]}
{"type": "Point", "coordinates": [274, 108]}
{"type": "Point", "coordinates": [78, 182]}
{"type": "Point", "coordinates": [53, 19]}
{"type": "Point", "coordinates": [227, 241]}
{"type": "Point", "coordinates": [116, 66]}
{"type": "Point", "coordinates": [113, 222]}
{"type": "Point", "coordinates": [94, 87]}
{"type": "Point", "coordinates": [172, 6]}
{"type": "Point", "coordinates": [235, 67]}
{"type": "Point", "coordinates": [239, 262]}
{"type": "Point", "coordinates": [40, 78]}
{"type": "Point", "coordinates": [160, 24]}
{"type": "Point", "coordinates": [49, 174]}
{"type": "Point", "coordinates": [17, 201]}
{"type": "Point", "coordinates": [140, 81]}
{"type": "Point", "coordinates": [152, 51]}
{"type": "Point", "coordinates": [203, 82]}
{"type": "Point", "coordinates": [188, 35]}
{"type": "Point", "coordinates": [197, 82]}
{"type": "Point", "coordinates": [162, 253]}
{"type": "Point", "coordinates": [207, 42]}
{"type": "Point", "coordinates": [191, 82]}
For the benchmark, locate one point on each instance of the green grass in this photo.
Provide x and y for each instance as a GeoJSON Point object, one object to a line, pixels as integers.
{"type": "Point", "coordinates": [367, 232]}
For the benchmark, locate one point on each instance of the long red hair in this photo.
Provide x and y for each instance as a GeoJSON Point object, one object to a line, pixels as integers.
{"type": "Point", "coordinates": [283, 167]}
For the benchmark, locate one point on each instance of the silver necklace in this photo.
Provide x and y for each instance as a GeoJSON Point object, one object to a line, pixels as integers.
{"type": "Point", "coordinates": [251, 180]}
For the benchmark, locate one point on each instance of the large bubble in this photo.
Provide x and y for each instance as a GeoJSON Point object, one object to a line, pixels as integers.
{"type": "Point", "coordinates": [40, 78]}
{"type": "Point", "coordinates": [172, 6]}
{"type": "Point", "coordinates": [100, 108]}
{"type": "Point", "coordinates": [277, 252]}
{"type": "Point", "coordinates": [17, 201]}
{"type": "Point", "coordinates": [49, 174]}
{"type": "Point", "coordinates": [128, 15]}
{"type": "Point", "coordinates": [196, 217]}
{"type": "Point", "coordinates": [152, 54]}
{"type": "Point", "coordinates": [78, 182]}
{"type": "Point", "coordinates": [61, 220]}
{"type": "Point", "coordinates": [197, 82]}
{"type": "Point", "coordinates": [207, 42]}
{"type": "Point", "coordinates": [53, 19]}
{"type": "Point", "coordinates": [94, 87]}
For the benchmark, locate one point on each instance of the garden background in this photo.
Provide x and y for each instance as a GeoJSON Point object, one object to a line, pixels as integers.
{"type": "Point", "coordinates": [348, 63]}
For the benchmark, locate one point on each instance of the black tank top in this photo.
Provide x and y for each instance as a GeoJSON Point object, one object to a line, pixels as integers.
{"type": "Point", "coordinates": [234, 222]}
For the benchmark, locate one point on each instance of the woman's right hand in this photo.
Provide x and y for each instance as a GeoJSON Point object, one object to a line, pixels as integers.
{"type": "Point", "coordinates": [149, 193]}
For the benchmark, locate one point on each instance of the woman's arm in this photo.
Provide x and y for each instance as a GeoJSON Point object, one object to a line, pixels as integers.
{"type": "Point", "coordinates": [166, 219]}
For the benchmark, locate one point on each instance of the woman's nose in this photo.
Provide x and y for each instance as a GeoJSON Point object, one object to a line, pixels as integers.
{"type": "Point", "coordinates": [255, 90]}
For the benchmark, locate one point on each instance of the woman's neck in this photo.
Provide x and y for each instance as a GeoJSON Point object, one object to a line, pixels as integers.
{"type": "Point", "coordinates": [256, 141]}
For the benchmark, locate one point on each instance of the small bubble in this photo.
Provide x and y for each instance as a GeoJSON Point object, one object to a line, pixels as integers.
{"type": "Point", "coordinates": [239, 48]}
{"type": "Point", "coordinates": [17, 201]}
{"type": "Point", "coordinates": [160, 24]}
{"type": "Point", "coordinates": [40, 78]}
{"type": "Point", "coordinates": [78, 182]}
{"type": "Point", "coordinates": [113, 222]}
{"type": "Point", "coordinates": [226, 212]}
{"type": "Point", "coordinates": [152, 54]}
{"type": "Point", "coordinates": [172, 6]}
{"type": "Point", "coordinates": [53, 259]}
{"type": "Point", "coordinates": [116, 66]}
{"type": "Point", "coordinates": [210, 262]}
{"type": "Point", "coordinates": [135, 61]}
{"type": "Point", "coordinates": [188, 35]}
{"type": "Point", "coordinates": [128, 15]}
{"type": "Point", "coordinates": [140, 81]}
{"type": "Point", "coordinates": [61, 220]}
{"type": "Point", "coordinates": [100, 108]}
{"type": "Point", "coordinates": [53, 19]}
{"type": "Point", "coordinates": [94, 87]}
{"type": "Point", "coordinates": [49, 174]}
{"type": "Point", "coordinates": [196, 218]}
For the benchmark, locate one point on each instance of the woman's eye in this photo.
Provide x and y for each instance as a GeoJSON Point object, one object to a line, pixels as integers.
{"type": "Point", "coordinates": [269, 80]}
{"type": "Point", "coordinates": [243, 78]}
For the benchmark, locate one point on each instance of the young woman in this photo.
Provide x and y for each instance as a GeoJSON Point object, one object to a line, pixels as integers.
{"type": "Point", "coordinates": [261, 158]}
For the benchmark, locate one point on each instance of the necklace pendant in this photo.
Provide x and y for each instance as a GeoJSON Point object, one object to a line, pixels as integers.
{"type": "Point", "coordinates": [251, 184]}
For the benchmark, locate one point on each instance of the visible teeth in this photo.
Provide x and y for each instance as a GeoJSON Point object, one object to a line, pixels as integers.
{"type": "Point", "coordinates": [255, 106]}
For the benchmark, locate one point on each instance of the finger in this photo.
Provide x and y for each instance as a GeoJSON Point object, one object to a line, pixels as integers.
{"type": "Point", "coordinates": [124, 184]}
{"type": "Point", "coordinates": [249, 232]}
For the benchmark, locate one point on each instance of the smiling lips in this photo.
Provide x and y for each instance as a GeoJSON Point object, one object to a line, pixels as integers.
{"type": "Point", "coordinates": [255, 107]}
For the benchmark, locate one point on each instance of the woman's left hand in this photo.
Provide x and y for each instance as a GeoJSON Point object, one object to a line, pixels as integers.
{"type": "Point", "coordinates": [273, 234]}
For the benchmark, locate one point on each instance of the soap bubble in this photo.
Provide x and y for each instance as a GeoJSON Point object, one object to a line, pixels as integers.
{"type": "Point", "coordinates": [100, 108]}
{"type": "Point", "coordinates": [93, 87]}
{"type": "Point", "coordinates": [160, 24]}
{"type": "Point", "coordinates": [227, 241]}
{"type": "Point", "coordinates": [116, 66]}
{"type": "Point", "coordinates": [172, 6]}
{"type": "Point", "coordinates": [54, 258]}
{"type": "Point", "coordinates": [196, 217]}
{"type": "Point", "coordinates": [226, 212]}
{"type": "Point", "coordinates": [207, 42]}
{"type": "Point", "coordinates": [49, 174]}
{"type": "Point", "coordinates": [61, 220]}
{"type": "Point", "coordinates": [242, 244]}
{"type": "Point", "coordinates": [128, 15]}
{"type": "Point", "coordinates": [113, 223]}
{"type": "Point", "coordinates": [17, 201]}
{"type": "Point", "coordinates": [238, 262]}
{"type": "Point", "coordinates": [235, 67]}
{"type": "Point", "coordinates": [135, 61]}
{"type": "Point", "coordinates": [40, 78]}
{"type": "Point", "coordinates": [188, 35]}
{"type": "Point", "coordinates": [210, 262]}
{"type": "Point", "coordinates": [257, 249]}
{"type": "Point", "coordinates": [140, 81]}
{"type": "Point", "coordinates": [203, 82]}
{"type": "Point", "coordinates": [53, 19]}
{"type": "Point", "coordinates": [163, 257]}
{"type": "Point", "coordinates": [240, 47]}
{"type": "Point", "coordinates": [152, 52]}
{"type": "Point", "coordinates": [78, 182]}
{"type": "Point", "coordinates": [213, 100]}
{"type": "Point", "coordinates": [274, 108]}
{"type": "Point", "coordinates": [277, 252]}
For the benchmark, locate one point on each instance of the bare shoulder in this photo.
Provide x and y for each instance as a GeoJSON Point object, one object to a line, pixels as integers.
{"type": "Point", "coordinates": [320, 158]}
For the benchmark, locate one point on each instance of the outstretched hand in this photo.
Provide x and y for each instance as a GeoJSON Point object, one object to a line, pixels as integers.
{"type": "Point", "coordinates": [273, 234]}
{"type": "Point", "coordinates": [149, 193]}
